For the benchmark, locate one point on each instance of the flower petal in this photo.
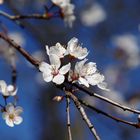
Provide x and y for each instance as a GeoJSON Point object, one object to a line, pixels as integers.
{"type": "Point", "coordinates": [3, 88]}
{"type": "Point", "coordinates": [83, 82]}
{"type": "Point", "coordinates": [59, 79]}
{"type": "Point", "coordinates": [47, 50]}
{"type": "Point", "coordinates": [18, 110]}
{"type": "Point", "coordinates": [45, 67]}
{"type": "Point", "coordinates": [47, 77]}
{"type": "Point", "coordinates": [103, 86]}
{"type": "Point", "coordinates": [79, 66]}
{"type": "Point", "coordinates": [18, 120]}
{"type": "Point", "coordinates": [95, 79]}
{"type": "Point", "coordinates": [11, 90]}
{"type": "Point", "coordinates": [5, 115]}
{"type": "Point", "coordinates": [65, 69]}
{"type": "Point", "coordinates": [58, 50]}
{"type": "Point", "coordinates": [10, 108]}
{"type": "Point", "coordinates": [9, 122]}
{"type": "Point", "coordinates": [54, 60]}
{"type": "Point", "coordinates": [72, 44]}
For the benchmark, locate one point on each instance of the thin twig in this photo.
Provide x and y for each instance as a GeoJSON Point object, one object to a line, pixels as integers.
{"type": "Point", "coordinates": [68, 117]}
{"type": "Point", "coordinates": [89, 92]}
{"type": "Point", "coordinates": [44, 16]}
{"type": "Point", "coordinates": [137, 125]}
{"type": "Point", "coordinates": [32, 60]}
{"type": "Point", "coordinates": [83, 113]}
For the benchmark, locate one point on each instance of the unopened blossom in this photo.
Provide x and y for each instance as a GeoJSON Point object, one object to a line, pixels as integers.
{"type": "Point", "coordinates": [7, 90]}
{"type": "Point", "coordinates": [87, 74]}
{"type": "Point", "coordinates": [53, 72]}
{"type": "Point", "coordinates": [76, 50]}
{"type": "Point", "coordinates": [67, 10]}
{"type": "Point", "coordinates": [11, 115]}
{"type": "Point", "coordinates": [58, 50]}
{"type": "Point", "coordinates": [58, 98]}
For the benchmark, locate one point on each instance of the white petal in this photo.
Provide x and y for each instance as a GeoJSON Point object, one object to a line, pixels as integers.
{"type": "Point", "coordinates": [83, 82]}
{"type": "Point", "coordinates": [47, 77]}
{"type": "Point", "coordinates": [91, 68]}
{"type": "Point", "coordinates": [59, 79]}
{"type": "Point", "coordinates": [18, 120]}
{"type": "Point", "coordinates": [79, 66]}
{"type": "Point", "coordinates": [103, 86]}
{"type": "Point", "coordinates": [11, 90]}
{"type": "Point", "coordinates": [18, 110]}
{"type": "Point", "coordinates": [9, 122]}
{"type": "Point", "coordinates": [55, 61]}
{"type": "Point", "coordinates": [81, 53]}
{"type": "Point", "coordinates": [65, 69]}
{"type": "Point", "coordinates": [47, 50]}
{"type": "Point", "coordinates": [10, 108]}
{"type": "Point", "coordinates": [5, 115]}
{"type": "Point", "coordinates": [45, 67]}
{"type": "Point", "coordinates": [95, 79]}
{"type": "Point", "coordinates": [58, 50]}
{"type": "Point", "coordinates": [3, 88]}
{"type": "Point", "coordinates": [72, 44]}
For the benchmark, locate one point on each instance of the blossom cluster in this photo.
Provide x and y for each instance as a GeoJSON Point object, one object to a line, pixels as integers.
{"type": "Point", "coordinates": [10, 113]}
{"type": "Point", "coordinates": [75, 70]}
{"type": "Point", "coordinates": [67, 10]}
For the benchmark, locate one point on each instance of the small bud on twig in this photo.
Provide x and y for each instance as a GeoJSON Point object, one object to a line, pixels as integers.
{"type": "Point", "coordinates": [58, 98]}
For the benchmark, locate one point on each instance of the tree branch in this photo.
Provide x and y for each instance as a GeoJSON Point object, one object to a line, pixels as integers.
{"type": "Point", "coordinates": [68, 117]}
{"type": "Point", "coordinates": [29, 58]}
{"type": "Point", "coordinates": [137, 125]}
{"type": "Point", "coordinates": [89, 92]}
{"type": "Point", "coordinates": [45, 16]}
{"type": "Point", "coordinates": [83, 113]}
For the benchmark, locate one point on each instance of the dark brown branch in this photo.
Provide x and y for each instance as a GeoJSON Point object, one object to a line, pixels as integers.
{"type": "Point", "coordinates": [44, 16]}
{"type": "Point", "coordinates": [137, 125]}
{"type": "Point", "coordinates": [68, 117]}
{"type": "Point", "coordinates": [29, 58]}
{"type": "Point", "coordinates": [89, 92]}
{"type": "Point", "coordinates": [83, 113]}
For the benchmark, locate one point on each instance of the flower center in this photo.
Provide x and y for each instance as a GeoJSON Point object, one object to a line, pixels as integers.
{"type": "Point", "coordinates": [11, 116]}
{"type": "Point", "coordinates": [55, 72]}
{"type": "Point", "coordinates": [74, 76]}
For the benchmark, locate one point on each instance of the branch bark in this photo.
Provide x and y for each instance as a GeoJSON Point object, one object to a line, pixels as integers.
{"type": "Point", "coordinates": [29, 58]}
{"type": "Point", "coordinates": [137, 125]}
{"type": "Point", "coordinates": [68, 117]}
{"type": "Point", "coordinates": [83, 113]}
{"type": "Point", "coordinates": [89, 92]}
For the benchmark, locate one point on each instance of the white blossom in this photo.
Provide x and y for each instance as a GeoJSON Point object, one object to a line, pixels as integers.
{"type": "Point", "coordinates": [93, 15]}
{"type": "Point", "coordinates": [7, 90]}
{"type": "Point", "coordinates": [11, 115]}
{"type": "Point", "coordinates": [1, 1]}
{"type": "Point", "coordinates": [53, 72]}
{"type": "Point", "coordinates": [67, 10]}
{"type": "Point", "coordinates": [87, 74]}
{"type": "Point", "coordinates": [58, 50]}
{"type": "Point", "coordinates": [76, 50]}
{"type": "Point", "coordinates": [128, 43]}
